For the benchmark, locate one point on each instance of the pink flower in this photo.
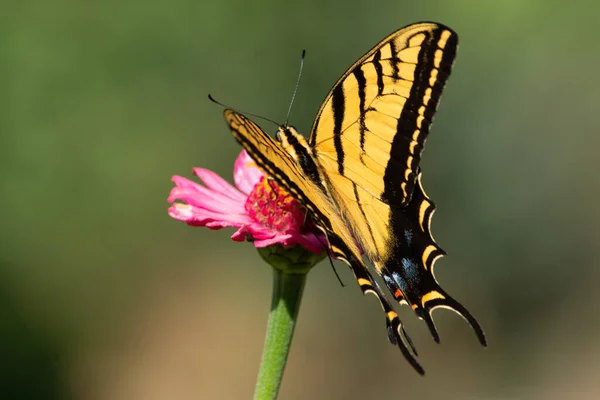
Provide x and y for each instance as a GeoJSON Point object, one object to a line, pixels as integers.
{"type": "Point", "coordinates": [262, 211]}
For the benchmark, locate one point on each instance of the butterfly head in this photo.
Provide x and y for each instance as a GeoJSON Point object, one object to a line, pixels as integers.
{"type": "Point", "coordinates": [303, 155]}
{"type": "Point", "coordinates": [293, 142]}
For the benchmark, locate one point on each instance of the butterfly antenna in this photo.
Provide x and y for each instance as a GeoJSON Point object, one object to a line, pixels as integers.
{"type": "Point", "coordinates": [296, 88]}
{"type": "Point", "coordinates": [329, 257]}
{"type": "Point", "coordinates": [241, 112]}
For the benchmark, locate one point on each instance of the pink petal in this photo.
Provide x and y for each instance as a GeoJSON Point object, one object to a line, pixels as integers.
{"type": "Point", "coordinates": [240, 235]}
{"type": "Point", "coordinates": [217, 204]}
{"type": "Point", "coordinates": [255, 230]}
{"type": "Point", "coordinates": [185, 183]}
{"type": "Point", "coordinates": [208, 199]}
{"type": "Point", "coordinates": [216, 183]}
{"type": "Point", "coordinates": [245, 173]}
{"type": "Point", "coordinates": [200, 217]}
{"type": "Point", "coordinates": [310, 243]}
{"type": "Point", "coordinates": [270, 241]}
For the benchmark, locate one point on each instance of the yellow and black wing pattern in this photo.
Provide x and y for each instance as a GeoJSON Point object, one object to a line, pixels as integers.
{"type": "Point", "coordinates": [359, 176]}
{"type": "Point", "coordinates": [277, 163]}
{"type": "Point", "coordinates": [367, 141]}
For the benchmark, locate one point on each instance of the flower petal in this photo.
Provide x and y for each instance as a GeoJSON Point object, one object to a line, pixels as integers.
{"type": "Point", "coordinates": [217, 204]}
{"type": "Point", "coordinates": [255, 231]}
{"type": "Point", "coordinates": [202, 197]}
{"type": "Point", "coordinates": [185, 183]}
{"type": "Point", "coordinates": [245, 173]}
{"type": "Point", "coordinates": [274, 240]}
{"type": "Point", "coordinates": [311, 243]}
{"type": "Point", "coordinates": [240, 235]}
{"type": "Point", "coordinates": [218, 184]}
{"type": "Point", "coordinates": [308, 241]}
{"type": "Point", "coordinates": [201, 217]}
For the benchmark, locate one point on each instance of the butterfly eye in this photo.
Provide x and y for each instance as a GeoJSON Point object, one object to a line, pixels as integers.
{"type": "Point", "coordinates": [283, 135]}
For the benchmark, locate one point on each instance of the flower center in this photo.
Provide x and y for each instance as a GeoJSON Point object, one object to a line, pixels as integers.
{"type": "Point", "coordinates": [273, 207]}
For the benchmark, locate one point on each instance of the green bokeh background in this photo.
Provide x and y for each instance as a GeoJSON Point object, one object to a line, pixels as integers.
{"type": "Point", "coordinates": [103, 296]}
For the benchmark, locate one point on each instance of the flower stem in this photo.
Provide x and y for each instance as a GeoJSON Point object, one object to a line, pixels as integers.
{"type": "Point", "coordinates": [285, 304]}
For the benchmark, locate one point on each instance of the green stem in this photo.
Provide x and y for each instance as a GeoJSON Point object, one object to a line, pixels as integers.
{"type": "Point", "coordinates": [285, 304]}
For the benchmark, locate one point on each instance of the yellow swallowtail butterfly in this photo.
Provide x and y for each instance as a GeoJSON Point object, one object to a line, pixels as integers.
{"type": "Point", "coordinates": [358, 175]}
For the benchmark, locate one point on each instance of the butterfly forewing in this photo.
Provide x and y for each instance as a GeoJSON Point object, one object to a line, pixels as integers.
{"type": "Point", "coordinates": [373, 124]}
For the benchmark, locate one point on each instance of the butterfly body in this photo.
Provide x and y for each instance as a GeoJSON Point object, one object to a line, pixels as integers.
{"type": "Point", "coordinates": [358, 174]}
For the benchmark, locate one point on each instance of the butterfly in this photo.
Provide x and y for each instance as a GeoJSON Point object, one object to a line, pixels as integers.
{"type": "Point", "coordinates": [358, 174]}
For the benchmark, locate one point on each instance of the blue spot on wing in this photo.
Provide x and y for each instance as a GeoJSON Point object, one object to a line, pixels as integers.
{"type": "Point", "coordinates": [411, 274]}
{"type": "Point", "coordinates": [408, 236]}
{"type": "Point", "coordinates": [399, 281]}
{"type": "Point", "coordinates": [410, 268]}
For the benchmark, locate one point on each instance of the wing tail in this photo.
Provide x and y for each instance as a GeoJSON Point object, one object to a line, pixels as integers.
{"type": "Point", "coordinates": [448, 302]}
{"type": "Point", "coordinates": [396, 333]}
{"type": "Point", "coordinates": [426, 316]}
{"type": "Point", "coordinates": [423, 294]}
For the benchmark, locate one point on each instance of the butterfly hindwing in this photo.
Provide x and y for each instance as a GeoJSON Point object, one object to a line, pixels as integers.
{"type": "Point", "coordinates": [409, 272]}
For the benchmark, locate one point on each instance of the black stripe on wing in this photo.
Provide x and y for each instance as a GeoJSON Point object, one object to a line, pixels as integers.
{"type": "Point", "coordinates": [362, 106]}
{"type": "Point", "coordinates": [408, 121]}
{"type": "Point", "coordinates": [379, 70]}
{"type": "Point", "coordinates": [338, 104]}
{"type": "Point", "coordinates": [251, 136]}
{"type": "Point", "coordinates": [296, 146]}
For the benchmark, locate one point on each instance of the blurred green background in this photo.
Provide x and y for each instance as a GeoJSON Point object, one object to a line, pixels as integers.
{"type": "Point", "coordinates": [103, 296]}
